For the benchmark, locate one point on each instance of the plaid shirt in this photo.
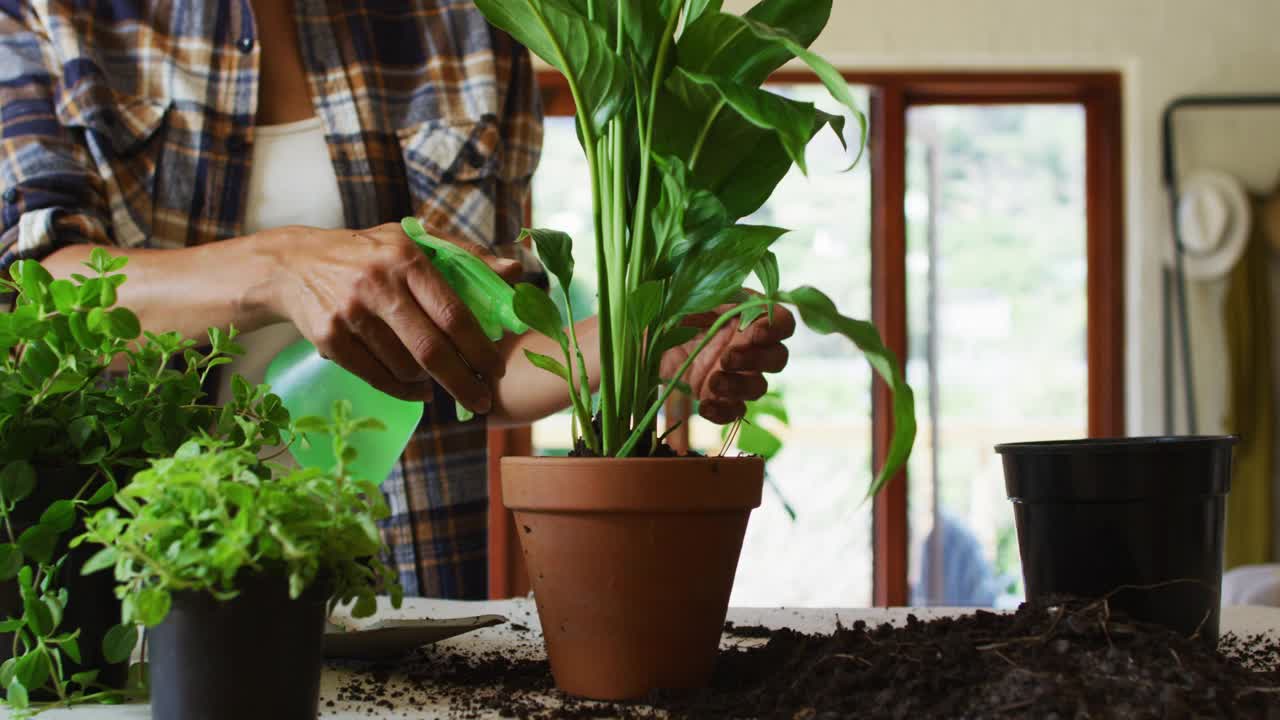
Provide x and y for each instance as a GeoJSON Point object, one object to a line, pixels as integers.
{"type": "Point", "coordinates": [131, 123]}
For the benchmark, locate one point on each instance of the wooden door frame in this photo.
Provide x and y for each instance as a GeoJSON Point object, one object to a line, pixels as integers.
{"type": "Point", "coordinates": [893, 93]}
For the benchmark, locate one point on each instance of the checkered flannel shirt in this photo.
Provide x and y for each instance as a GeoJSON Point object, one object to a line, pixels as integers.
{"type": "Point", "coordinates": [131, 123]}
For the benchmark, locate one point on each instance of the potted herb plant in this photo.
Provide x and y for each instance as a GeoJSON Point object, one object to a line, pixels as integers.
{"type": "Point", "coordinates": [234, 564]}
{"type": "Point", "coordinates": [70, 431]}
{"type": "Point", "coordinates": [632, 557]}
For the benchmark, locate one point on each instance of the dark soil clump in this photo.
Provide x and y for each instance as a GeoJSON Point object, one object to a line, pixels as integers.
{"type": "Point", "coordinates": [1070, 659]}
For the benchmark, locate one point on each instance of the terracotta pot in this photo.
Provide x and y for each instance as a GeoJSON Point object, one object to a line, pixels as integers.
{"type": "Point", "coordinates": [631, 562]}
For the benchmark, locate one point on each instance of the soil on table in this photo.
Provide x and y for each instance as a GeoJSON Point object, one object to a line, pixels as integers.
{"type": "Point", "coordinates": [1067, 659]}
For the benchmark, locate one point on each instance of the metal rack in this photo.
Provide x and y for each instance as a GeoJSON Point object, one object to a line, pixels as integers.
{"type": "Point", "coordinates": [1175, 282]}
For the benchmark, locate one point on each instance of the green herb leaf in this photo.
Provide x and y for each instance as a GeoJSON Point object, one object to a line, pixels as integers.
{"type": "Point", "coordinates": [16, 695]}
{"type": "Point", "coordinates": [10, 562]}
{"type": "Point", "coordinates": [118, 643]}
{"type": "Point", "coordinates": [104, 493]}
{"type": "Point", "coordinates": [152, 605]}
{"type": "Point", "coordinates": [38, 542]}
{"type": "Point", "coordinates": [71, 647]}
{"type": "Point", "coordinates": [101, 560]}
{"type": "Point", "coordinates": [17, 480]}
{"type": "Point", "coordinates": [123, 324]}
{"type": "Point", "coordinates": [59, 516]}
{"type": "Point", "coordinates": [64, 295]}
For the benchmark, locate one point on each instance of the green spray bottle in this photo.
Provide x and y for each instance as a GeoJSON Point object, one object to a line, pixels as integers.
{"type": "Point", "coordinates": [308, 384]}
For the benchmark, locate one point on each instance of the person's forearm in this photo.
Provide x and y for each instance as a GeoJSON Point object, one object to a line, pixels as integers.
{"type": "Point", "coordinates": [527, 393]}
{"type": "Point", "coordinates": [189, 289]}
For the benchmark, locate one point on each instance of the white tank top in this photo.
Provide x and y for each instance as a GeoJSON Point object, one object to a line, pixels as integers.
{"type": "Point", "coordinates": [291, 182]}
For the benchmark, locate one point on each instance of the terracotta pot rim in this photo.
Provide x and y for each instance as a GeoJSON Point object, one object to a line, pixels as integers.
{"type": "Point", "coordinates": [561, 459]}
{"type": "Point", "coordinates": [630, 485]}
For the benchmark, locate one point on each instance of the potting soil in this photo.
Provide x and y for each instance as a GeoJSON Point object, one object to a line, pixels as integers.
{"type": "Point", "coordinates": [1067, 659]}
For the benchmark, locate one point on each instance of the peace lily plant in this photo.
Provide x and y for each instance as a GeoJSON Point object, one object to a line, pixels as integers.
{"type": "Point", "coordinates": [682, 142]}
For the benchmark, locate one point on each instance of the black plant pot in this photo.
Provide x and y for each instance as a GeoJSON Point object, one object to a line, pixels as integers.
{"type": "Point", "coordinates": [92, 605]}
{"type": "Point", "coordinates": [255, 657]}
{"type": "Point", "coordinates": [1136, 520]}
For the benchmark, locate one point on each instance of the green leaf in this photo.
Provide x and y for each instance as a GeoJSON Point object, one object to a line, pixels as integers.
{"type": "Point", "coordinates": [463, 413]}
{"type": "Point", "coordinates": [80, 429]}
{"type": "Point", "coordinates": [756, 440]}
{"type": "Point", "coordinates": [99, 260]}
{"type": "Point", "coordinates": [55, 608]}
{"type": "Point", "coordinates": [10, 561]}
{"type": "Point", "coordinates": [86, 678]}
{"type": "Point", "coordinates": [106, 294]}
{"type": "Point", "coordinates": [720, 43]}
{"type": "Point", "coordinates": [38, 363]}
{"type": "Point", "coordinates": [540, 313]}
{"type": "Point", "coordinates": [31, 670]}
{"type": "Point", "coordinates": [64, 295]}
{"type": "Point", "coordinates": [675, 337]}
{"type": "Point", "coordinates": [32, 278]}
{"type": "Point", "coordinates": [792, 120]}
{"type": "Point", "coordinates": [645, 303]}
{"type": "Point", "coordinates": [71, 647]}
{"type": "Point", "coordinates": [17, 480]}
{"type": "Point", "coordinates": [80, 330]}
{"type": "Point", "coordinates": [711, 275]}
{"type": "Point", "coordinates": [558, 33]}
{"type": "Point", "coordinates": [694, 9]}
{"type": "Point", "coordinates": [311, 424]}
{"type": "Point", "coordinates": [819, 313]}
{"type": "Point", "coordinates": [555, 249]}
{"type": "Point", "coordinates": [152, 605]}
{"type": "Point", "coordinates": [123, 324]}
{"type": "Point", "coordinates": [104, 493]}
{"type": "Point", "coordinates": [59, 516]}
{"type": "Point", "coordinates": [16, 695]}
{"type": "Point", "coordinates": [366, 605]}
{"type": "Point", "coordinates": [831, 78]}
{"type": "Point", "coordinates": [38, 542]}
{"type": "Point", "coordinates": [549, 364]}
{"type": "Point", "coordinates": [101, 560]}
{"type": "Point", "coordinates": [118, 643]}
{"type": "Point", "coordinates": [767, 271]}
{"type": "Point", "coordinates": [8, 668]}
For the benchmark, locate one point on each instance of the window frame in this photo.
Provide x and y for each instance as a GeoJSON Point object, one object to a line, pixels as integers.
{"type": "Point", "coordinates": [893, 93]}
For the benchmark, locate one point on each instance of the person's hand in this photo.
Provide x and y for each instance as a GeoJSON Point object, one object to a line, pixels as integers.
{"type": "Point", "coordinates": [372, 302]}
{"type": "Point", "coordinates": [730, 369]}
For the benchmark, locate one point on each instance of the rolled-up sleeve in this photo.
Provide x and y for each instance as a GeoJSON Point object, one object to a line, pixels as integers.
{"type": "Point", "coordinates": [50, 192]}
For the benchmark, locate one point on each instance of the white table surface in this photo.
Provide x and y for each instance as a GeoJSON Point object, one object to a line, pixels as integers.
{"type": "Point", "coordinates": [1243, 619]}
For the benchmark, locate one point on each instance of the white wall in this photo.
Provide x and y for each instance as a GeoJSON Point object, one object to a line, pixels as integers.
{"type": "Point", "coordinates": [1164, 48]}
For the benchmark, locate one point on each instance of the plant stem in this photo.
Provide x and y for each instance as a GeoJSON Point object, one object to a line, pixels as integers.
{"type": "Point", "coordinates": [602, 296]}
{"type": "Point", "coordinates": [652, 413]}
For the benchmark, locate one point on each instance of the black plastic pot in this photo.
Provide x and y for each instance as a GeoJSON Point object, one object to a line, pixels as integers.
{"type": "Point", "coordinates": [92, 605]}
{"type": "Point", "coordinates": [255, 657]}
{"type": "Point", "coordinates": [1136, 520]}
